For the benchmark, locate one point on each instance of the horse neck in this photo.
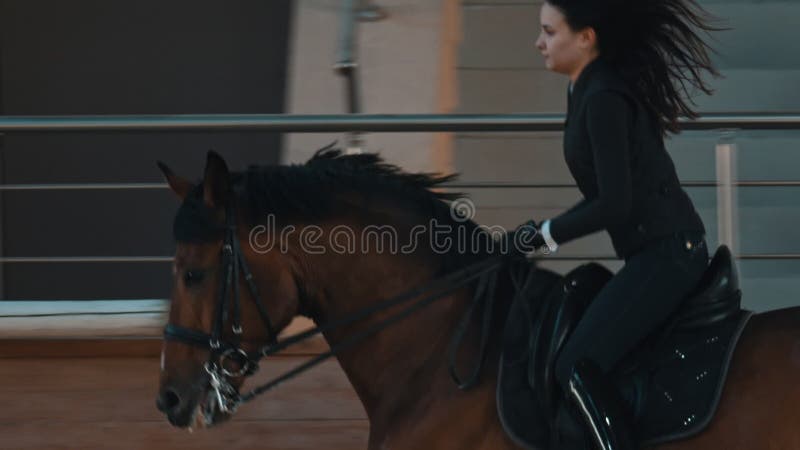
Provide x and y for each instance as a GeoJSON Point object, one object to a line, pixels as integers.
{"type": "Point", "coordinates": [404, 365]}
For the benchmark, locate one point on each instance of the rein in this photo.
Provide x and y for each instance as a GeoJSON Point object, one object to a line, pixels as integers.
{"type": "Point", "coordinates": [234, 265]}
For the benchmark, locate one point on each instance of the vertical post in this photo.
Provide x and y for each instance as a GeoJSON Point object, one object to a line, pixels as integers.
{"type": "Point", "coordinates": [2, 215]}
{"type": "Point", "coordinates": [347, 66]}
{"type": "Point", "coordinates": [2, 181]}
{"type": "Point", "coordinates": [346, 63]}
{"type": "Point", "coordinates": [727, 198]}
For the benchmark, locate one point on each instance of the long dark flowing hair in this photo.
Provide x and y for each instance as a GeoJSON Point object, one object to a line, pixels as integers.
{"type": "Point", "coordinates": [656, 47]}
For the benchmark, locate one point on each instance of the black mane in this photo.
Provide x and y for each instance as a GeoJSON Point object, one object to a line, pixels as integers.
{"type": "Point", "coordinates": [311, 191]}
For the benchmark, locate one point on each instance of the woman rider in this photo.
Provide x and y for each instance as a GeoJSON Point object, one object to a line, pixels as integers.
{"type": "Point", "coordinates": [628, 62]}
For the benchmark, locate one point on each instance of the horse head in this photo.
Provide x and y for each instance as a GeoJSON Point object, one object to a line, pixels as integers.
{"type": "Point", "coordinates": [217, 320]}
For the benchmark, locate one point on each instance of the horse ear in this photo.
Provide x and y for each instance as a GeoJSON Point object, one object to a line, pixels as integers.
{"type": "Point", "coordinates": [180, 186]}
{"type": "Point", "coordinates": [216, 181]}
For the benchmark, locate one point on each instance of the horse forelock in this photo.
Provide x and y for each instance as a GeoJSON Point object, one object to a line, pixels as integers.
{"type": "Point", "coordinates": [195, 222]}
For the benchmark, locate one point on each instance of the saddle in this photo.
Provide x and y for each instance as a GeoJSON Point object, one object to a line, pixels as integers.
{"type": "Point", "coordinates": [672, 381]}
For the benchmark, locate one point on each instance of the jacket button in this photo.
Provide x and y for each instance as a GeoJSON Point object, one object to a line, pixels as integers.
{"type": "Point", "coordinates": [664, 189]}
{"type": "Point", "coordinates": [640, 228]}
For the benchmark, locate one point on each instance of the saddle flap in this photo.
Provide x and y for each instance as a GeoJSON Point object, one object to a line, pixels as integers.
{"type": "Point", "coordinates": [566, 305]}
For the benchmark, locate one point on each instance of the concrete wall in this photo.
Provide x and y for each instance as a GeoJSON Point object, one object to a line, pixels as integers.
{"type": "Point", "coordinates": [144, 57]}
{"type": "Point", "coordinates": [407, 66]}
{"type": "Point", "coordinates": [500, 71]}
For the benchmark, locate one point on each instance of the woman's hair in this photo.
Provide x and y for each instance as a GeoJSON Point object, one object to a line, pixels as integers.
{"type": "Point", "coordinates": [656, 46]}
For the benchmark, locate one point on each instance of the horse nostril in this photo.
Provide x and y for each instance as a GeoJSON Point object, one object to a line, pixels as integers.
{"type": "Point", "coordinates": [168, 401]}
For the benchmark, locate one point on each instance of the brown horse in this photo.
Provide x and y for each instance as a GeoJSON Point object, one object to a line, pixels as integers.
{"type": "Point", "coordinates": [400, 374]}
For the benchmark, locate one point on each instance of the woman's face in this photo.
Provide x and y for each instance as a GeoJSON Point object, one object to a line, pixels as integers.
{"type": "Point", "coordinates": [564, 50]}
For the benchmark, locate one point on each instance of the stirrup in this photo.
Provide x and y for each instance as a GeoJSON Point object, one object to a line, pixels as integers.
{"type": "Point", "coordinates": [600, 407]}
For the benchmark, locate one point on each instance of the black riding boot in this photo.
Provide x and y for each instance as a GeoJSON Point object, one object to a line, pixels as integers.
{"type": "Point", "coordinates": [601, 408]}
{"type": "Point", "coordinates": [567, 432]}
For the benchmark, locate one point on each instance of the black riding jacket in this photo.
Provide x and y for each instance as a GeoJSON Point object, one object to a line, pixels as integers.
{"type": "Point", "coordinates": [616, 154]}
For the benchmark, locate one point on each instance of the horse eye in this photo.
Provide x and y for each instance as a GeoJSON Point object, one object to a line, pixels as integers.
{"type": "Point", "coordinates": [193, 277]}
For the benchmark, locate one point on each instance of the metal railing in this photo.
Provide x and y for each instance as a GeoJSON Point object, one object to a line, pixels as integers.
{"type": "Point", "coordinates": [362, 122]}
{"type": "Point", "coordinates": [371, 123]}
{"type": "Point", "coordinates": [451, 185]}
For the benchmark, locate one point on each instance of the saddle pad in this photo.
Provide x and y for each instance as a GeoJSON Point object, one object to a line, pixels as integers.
{"type": "Point", "coordinates": [684, 381]}
{"type": "Point", "coordinates": [676, 390]}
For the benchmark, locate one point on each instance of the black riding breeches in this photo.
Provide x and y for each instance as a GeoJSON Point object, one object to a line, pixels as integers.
{"type": "Point", "coordinates": [637, 299]}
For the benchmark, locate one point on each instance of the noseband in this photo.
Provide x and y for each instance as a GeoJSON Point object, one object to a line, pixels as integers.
{"type": "Point", "coordinates": [233, 265]}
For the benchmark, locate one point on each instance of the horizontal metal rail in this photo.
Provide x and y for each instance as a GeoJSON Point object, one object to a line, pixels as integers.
{"type": "Point", "coordinates": [498, 185]}
{"type": "Point", "coordinates": [166, 259]}
{"type": "Point", "coordinates": [358, 122]}
{"type": "Point", "coordinates": [81, 186]}
{"type": "Point", "coordinates": [84, 259]}
{"type": "Point", "coordinates": [749, 257]}
{"type": "Point", "coordinates": [456, 185]}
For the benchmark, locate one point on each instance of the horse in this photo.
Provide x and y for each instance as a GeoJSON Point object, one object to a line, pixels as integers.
{"type": "Point", "coordinates": [397, 368]}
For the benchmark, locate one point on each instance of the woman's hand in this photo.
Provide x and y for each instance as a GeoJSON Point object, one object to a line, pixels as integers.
{"type": "Point", "coordinates": [526, 239]}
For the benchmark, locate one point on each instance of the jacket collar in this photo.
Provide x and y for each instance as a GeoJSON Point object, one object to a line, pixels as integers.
{"type": "Point", "coordinates": [579, 87]}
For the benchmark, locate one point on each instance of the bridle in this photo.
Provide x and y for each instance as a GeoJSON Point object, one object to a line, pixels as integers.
{"type": "Point", "coordinates": [234, 265]}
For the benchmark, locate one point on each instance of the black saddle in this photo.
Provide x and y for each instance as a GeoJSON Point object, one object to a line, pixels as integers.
{"type": "Point", "coordinates": [717, 295]}
{"type": "Point", "coordinates": [697, 340]}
